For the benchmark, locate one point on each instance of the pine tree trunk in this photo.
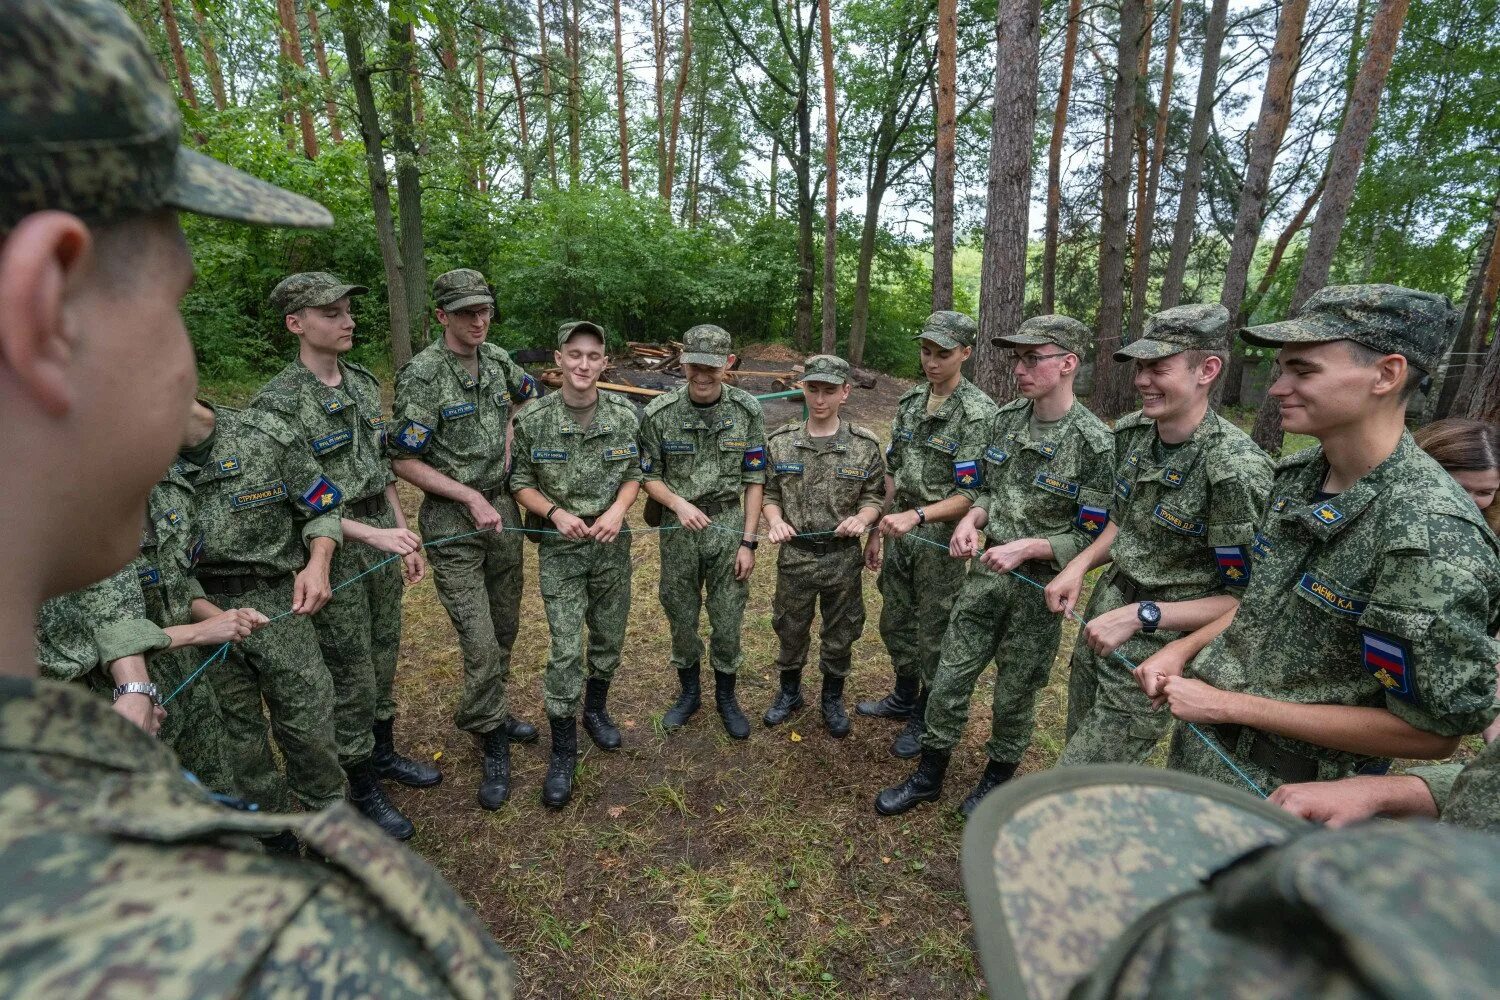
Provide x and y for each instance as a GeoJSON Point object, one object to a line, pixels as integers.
{"type": "Point", "coordinates": [575, 153]}
{"type": "Point", "coordinates": [945, 162]}
{"type": "Point", "coordinates": [1142, 153]}
{"type": "Point", "coordinates": [682, 72]}
{"type": "Point", "coordinates": [541, 20]}
{"type": "Point", "coordinates": [210, 57]}
{"type": "Point", "coordinates": [1186, 226]}
{"type": "Point", "coordinates": [380, 192]}
{"type": "Point", "coordinates": [859, 319]}
{"type": "Point", "coordinates": [775, 163]}
{"type": "Point", "coordinates": [1479, 309]}
{"type": "Point", "coordinates": [1145, 221]}
{"type": "Point", "coordinates": [1111, 390]}
{"type": "Point", "coordinates": [1002, 280]}
{"type": "Point", "coordinates": [620, 103]}
{"type": "Point", "coordinates": [320, 53]}
{"type": "Point", "coordinates": [806, 203]}
{"type": "Point", "coordinates": [1054, 161]}
{"type": "Point", "coordinates": [479, 102]}
{"type": "Point", "coordinates": [659, 52]}
{"type": "Point", "coordinates": [831, 198]}
{"type": "Point", "coordinates": [525, 134]}
{"type": "Point", "coordinates": [179, 57]}
{"type": "Point", "coordinates": [1483, 402]}
{"type": "Point", "coordinates": [408, 176]}
{"type": "Point", "coordinates": [291, 37]}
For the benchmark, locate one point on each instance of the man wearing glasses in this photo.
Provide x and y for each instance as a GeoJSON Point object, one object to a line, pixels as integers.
{"type": "Point", "coordinates": [1048, 472]}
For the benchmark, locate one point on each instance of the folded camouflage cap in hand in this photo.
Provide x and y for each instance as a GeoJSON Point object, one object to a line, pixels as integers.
{"type": "Point", "coordinates": [89, 125]}
{"type": "Point", "coordinates": [310, 288]}
{"type": "Point", "coordinates": [461, 288]}
{"type": "Point", "coordinates": [1200, 327]}
{"type": "Point", "coordinates": [1060, 331]}
{"type": "Point", "coordinates": [949, 330]}
{"type": "Point", "coordinates": [1390, 319]}
{"type": "Point", "coordinates": [825, 368]}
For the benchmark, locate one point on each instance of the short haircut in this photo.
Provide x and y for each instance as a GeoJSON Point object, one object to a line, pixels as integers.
{"type": "Point", "coordinates": [1368, 357]}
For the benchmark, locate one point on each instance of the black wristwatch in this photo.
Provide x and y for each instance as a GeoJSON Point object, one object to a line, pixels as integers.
{"type": "Point", "coordinates": [921, 515]}
{"type": "Point", "coordinates": [750, 543]}
{"type": "Point", "coordinates": [1150, 616]}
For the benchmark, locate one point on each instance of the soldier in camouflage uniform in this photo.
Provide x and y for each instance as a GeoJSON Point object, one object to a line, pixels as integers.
{"type": "Point", "coordinates": [702, 446]}
{"type": "Point", "coordinates": [1048, 474]}
{"type": "Point", "coordinates": [450, 437]}
{"type": "Point", "coordinates": [106, 850]}
{"type": "Point", "coordinates": [577, 471]}
{"type": "Point", "coordinates": [1373, 569]}
{"type": "Point", "coordinates": [935, 457]}
{"type": "Point", "coordinates": [335, 407]}
{"type": "Point", "coordinates": [1188, 488]}
{"type": "Point", "coordinates": [825, 489]}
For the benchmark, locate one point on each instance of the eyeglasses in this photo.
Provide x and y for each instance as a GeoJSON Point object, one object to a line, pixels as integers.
{"type": "Point", "coordinates": [1031, 361]}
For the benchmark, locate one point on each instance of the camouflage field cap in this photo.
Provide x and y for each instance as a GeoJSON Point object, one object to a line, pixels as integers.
{"type": "Point", "coordinates": [1386, 318]}
{"type": "Point", "coordinates": [461, 288]}
{"type": "Point", "coordinates": [89, 125]}
{"type": "Point", "coordinates": [1201, 327]}
{"type": "Point", "coordinates": [565, 331]}
{"type": "Point", "coordinates": [825, 368]}
{"type": "Point", "coordinates": [1058, 865]}
{"type": "Point", "coordinates": [310, 288]}
{"type": "Point", "coordinates": [949, 330]}
{"type": "Point", "coordinates": [1060, 331]}
{"type": "Point", "coordinates": [706, 344]}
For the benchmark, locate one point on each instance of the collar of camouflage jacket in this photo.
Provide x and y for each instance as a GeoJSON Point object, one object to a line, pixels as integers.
{"type": "Point", "coordinates": [1326, 518]}
{"type": "Point", "coordinates": [839, 439]}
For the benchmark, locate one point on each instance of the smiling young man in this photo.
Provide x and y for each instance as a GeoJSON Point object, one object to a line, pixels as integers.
{"type": "Point", "coordinates": [935, 460]}
{"type": "Point", "coordinates": [1366, 631]}
{"type": "Point", "coordinates": [117, 874]}
{"type": "Point", "coordinates": [335, 406]}
{"type": "Point", "coordinates": [450, 438]}
{"type": "Point", "coordinates": [1048, 474]}
{"type": "Point", "coordinates": [826, 489]}
{"type": "Point", "coordinates": [1188, 488]}
{"type": "Point", "coordinates": [703, 451]}
{"type": "Point", "coordinates": [578, 470]}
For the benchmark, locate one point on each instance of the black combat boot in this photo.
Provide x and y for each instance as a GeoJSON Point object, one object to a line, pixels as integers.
{"type": "Point", "coordinates": [735, 723]}
{"type": "Point", "coordinates": [925, 785]}
{"type": "Point", "coordinates": [896, 705]}
{"type": "Point", "coordinates": [519, 731]}
{"type": "Point", "coordinates": [788, 699]}
{"type": "Point", "coordinates": [596, 720]}
{"type": "Point", "coordinates": [908, 742]}
{"type": "Point", "coordinates": [285, 844]}
{"type": "Point", "coordinates": [688, 701]}
{"type": "Point", "coordinates": [494, 790]}
{"type": "Point", "coordinates": [835, 719]}
{"type": "Point", "coordinates": [995, 775]}
{"type": "Point", "coordinates": [398, 767]}
{"type": "Point", "coordinates": [369, 798]}
{"type": "Point", "coordinates": [557, 789]}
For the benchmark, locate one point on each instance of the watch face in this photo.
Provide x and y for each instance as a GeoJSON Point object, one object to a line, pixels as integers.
{"type": "Point", "coordinates": [1150, 613]}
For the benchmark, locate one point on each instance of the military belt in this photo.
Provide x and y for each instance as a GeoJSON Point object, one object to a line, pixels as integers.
{"type": "Point", "coordinates": [374, 505]}
{"type": "Point", "coordinates": [1288, 765]}
{"type": "Point", "coordinates": [237, 584]}
{"type": "Point", "coordinates": [713, 508]}
{"type": "Point", "coordinates": [824, 546]}
{"type": "Point", "coordinates": [1128, 588]}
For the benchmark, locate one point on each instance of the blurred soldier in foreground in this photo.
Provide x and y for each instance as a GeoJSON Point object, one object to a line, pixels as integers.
{"type": "Point", "coordinates": [106, 850]}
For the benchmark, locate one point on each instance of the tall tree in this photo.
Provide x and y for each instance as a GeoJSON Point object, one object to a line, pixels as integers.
{"type": "Point", "coordinates": [373, 137]}
{"type": "Point", "coordinates": [831, 198]}
{"type": "Point", "coordinates": [682, 78]}
{"type": "Point", "coordinates": [1192, 171]}
{"type": "Point", "coordinates": [1484, 397]}
{"type": "Point", "coordinates": [572, 44]}
{"type": "Point", "coordinates": [1343, 171]}
{"type": "Point", "coordinates": [179, 57]}
{"type": "Point", "coordinates": [1145, 219]}
{"type": "Point", "coordinates": [1002, 280]}
{"type": "Point", "coordinates": [620, 103]}
{"type": "Point", "coordinates": [291, 49]}
{"type": "Point", "coordinates": [527, 169]}
{"type": "Point", "coordinates": [1054, 159]}
{"type": "Point", "coordinates": [480, 90]}
{"type": "Point", "coordinates": [1111, 383]}
{"type": "Point", "coordinates": [945, 164]}
{"type": "Point", "coordinates": [1479, 309]}
{"type": "Point", "coordinates": [320, 53]}
{"type": "Point", "coordinates": [210, 56]}
{"type": "Point", "coordinates": [659, 58]}
{"type": "Point", "coordinates": [403, 62]}
{"type": "Point", "coordinates": [546, 60]}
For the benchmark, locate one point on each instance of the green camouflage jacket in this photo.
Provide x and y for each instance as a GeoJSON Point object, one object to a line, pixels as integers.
{"type": "Point", "coordinates": [453, 421]}
{"type": "Point", "coordinates": [261, 497]}
{"type": "Point", "coordinates": [580, 471]}
{"type": "Point", "coordinates": [133, 875]}
{"type": "Point", "coordinates": [933, 458]}
{"type": "Point", "coordinates": [1386, 595]}
{"type": "Point", "coordinates": [1057, 489]}
{"type": "Point", "coordinates": [817, 482]}
{"type": "Point", "coordinates": [171, 545]}
{"type": "Point", "coordinates": [1186, 522]}
{"type": "Point", "coordinates": [704, 457]}
{"type": "Point", "coordinates": [343, 427]}
{"type": "Point", "coordinates": [79, 634]}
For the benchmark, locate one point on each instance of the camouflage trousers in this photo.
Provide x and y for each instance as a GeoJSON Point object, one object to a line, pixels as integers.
{"type": "Point", "coordinates": [479, 582]}
{"type": "Point", "coordinates": [807, 582]}
{"type": "Point", "coordinates": [583, 584]}
{"type": "Point", "coordinates": [1110, 719]}
{"type": "Point", "coordinates": [194, 726]}
{"type": "Point", "coordinates": [359, 633]}
{"type": "Point", "coordinates": [999, 618]}
{"type": "Point", "coordinates": [281, 664]}
{"type": "Point", "coordinates": [918, 585]}
{"type": "Point", "coordinates": [697, 569]}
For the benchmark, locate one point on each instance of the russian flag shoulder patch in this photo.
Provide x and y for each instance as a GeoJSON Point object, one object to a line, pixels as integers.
{"type": "Point", "coordinates": [1092, 520]}
{"type": "Point", "coordinates": [966, 473]}
{"type": "Point", "coordinates": [1389, 661]}
{"type": "Point", "coordinates": [1234, 565]}
{"type": "Point", "coordinates": [322, 495]}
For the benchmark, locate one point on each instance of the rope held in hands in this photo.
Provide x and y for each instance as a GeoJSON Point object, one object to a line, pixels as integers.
{"type": "Point", "coordinates": [223, 650]}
